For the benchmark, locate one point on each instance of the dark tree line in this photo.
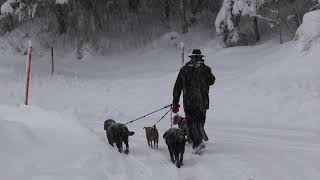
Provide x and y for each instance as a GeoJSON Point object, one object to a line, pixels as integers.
{"type": "Point", "coordinates": [90, 19]}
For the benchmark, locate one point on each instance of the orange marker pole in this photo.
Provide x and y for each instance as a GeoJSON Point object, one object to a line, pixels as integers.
{"type": "Point", "coordinates": [28, 73]}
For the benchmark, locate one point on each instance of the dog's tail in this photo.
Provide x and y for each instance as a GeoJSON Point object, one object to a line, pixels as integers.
{"type": "Point", "coordinates": [164, 135]}
{"type": "Point", "coordinates": [131, 133]}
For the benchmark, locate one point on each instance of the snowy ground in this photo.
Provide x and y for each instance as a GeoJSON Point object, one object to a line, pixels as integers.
{"type": "Point", "coordinates": [263, 123]}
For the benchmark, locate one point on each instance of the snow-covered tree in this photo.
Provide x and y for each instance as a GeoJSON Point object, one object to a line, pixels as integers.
{"type": "Point", "coordinates": [260, 16]}
{"type": "Point", "coordinates": [6, 7]}
{"type": "Point", "coordinates": [25, 8]}
{"type": "Point", "coordinates": [239, 22]}
{"type": "Point", "coordinates": [229, 16]}
{"type": "Point", "coordinates": [62, 1]}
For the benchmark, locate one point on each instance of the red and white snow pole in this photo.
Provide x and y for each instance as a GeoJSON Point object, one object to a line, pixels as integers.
{"type": "Point", "coordinates": [182, 53]}
{"type": "Point", "coordinates": [52, 61]}
{"type": "Point", "coordinates": [28, 72]}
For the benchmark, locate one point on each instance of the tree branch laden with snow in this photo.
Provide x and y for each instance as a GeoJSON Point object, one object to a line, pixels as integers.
{"type": "Point", "coordinates": [6, 7]}
{"type": "Point", "coordinates": [227, 19]}
{"type": "Point", "coordinates": [61, 1]}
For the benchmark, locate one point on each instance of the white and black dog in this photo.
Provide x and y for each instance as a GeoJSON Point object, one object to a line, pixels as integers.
{"type": "Point", "coordinates": [182, 124]}
{"type": "Point", "coordinates": [117, 133]}
{"type": "Point", "coordinates": [176, 141]}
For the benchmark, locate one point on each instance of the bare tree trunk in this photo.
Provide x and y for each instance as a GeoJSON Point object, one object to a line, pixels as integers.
{"type": "Point", "coordinates": [256, 28]}
{"type": "Point", "coordinates": [167, 9]}
{"type": "Point", "coordinates": [61, 13]}
{"type": "Point", "coordinates": [184, 23]}
{"type": "Point", "coordinates": [96, 15]}
{"type": "Point", "coordinates": [279, 22]}
{"type": "Point", "coordinates": [10, 22]}
{"type": "Point", "coordinates": [134, 5]}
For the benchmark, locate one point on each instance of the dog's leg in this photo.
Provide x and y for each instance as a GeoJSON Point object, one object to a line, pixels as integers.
{"type": "Point", "coordinates": [181, 159]}
{"type": "Point", "coordinates": [119, 146]}
{"type": "Point", "coordinates": [110, 140]}
{"type": "Point", "coordinates": [126, 142]}
{"type": "Point", "coordinates": [177, 160]}
{"type": "Point", "coordinates": [171, 154]}
{"type": "Point", "coordinates": [157, 141]}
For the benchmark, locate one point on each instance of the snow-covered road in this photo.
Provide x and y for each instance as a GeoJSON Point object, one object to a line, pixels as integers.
{"type": "Point", "coordinates": [263, 123]}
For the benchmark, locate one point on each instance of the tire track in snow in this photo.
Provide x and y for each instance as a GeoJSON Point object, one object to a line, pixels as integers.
{"type": "Point", "coordinates": [275, 157]}
{"type": "Point", "coordinates": [142, 158]}
{"type": "Point", "coordinates": [156, 163]}
{"type": "Point", "coordinates": [286, 139]}
{"type": "Point", "coordinates": [126, 163]}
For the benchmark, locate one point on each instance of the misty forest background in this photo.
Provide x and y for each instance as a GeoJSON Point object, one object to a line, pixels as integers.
{"type": "Point", "coordinates": [116, 25]}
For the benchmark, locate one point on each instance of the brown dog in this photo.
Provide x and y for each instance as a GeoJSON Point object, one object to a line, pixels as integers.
{"type": "Point", "coordinates": [182, 124]}
{"type": "Point", "coordinates": [152, 136]}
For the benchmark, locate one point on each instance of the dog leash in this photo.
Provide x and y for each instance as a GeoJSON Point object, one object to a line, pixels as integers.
{"type": "Point", "coordinates": [167, 106]}
{"type": "Point", "coordinates": [171, 120]}
{"type": "Point", "coordinates": [162, 117]}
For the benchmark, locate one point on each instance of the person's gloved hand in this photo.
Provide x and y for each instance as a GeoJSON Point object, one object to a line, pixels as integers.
{"type": "Point", "coordinates": [175, 107]}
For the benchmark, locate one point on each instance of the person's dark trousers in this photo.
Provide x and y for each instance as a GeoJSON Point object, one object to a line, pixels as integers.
{"type": "Point", "coordinates": [195, 121]}
{"type": "Point", "coordinates": [203, 132]}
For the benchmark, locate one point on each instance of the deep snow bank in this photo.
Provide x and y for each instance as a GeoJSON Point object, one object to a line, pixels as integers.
{"type": "Point", "coordinates": [33, 140]}
{"type": "Point", "coordinates": [310, 28]}
{"type": "Point", "coordinates": [309, 31]}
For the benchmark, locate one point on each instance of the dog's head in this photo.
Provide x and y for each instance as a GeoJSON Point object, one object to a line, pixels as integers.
{"type": "Point", "coordinates": [165, 135]}
{"type": "Point", "coordinates": [177, 119]}
{"type": "Point", "coordinates": [146, 128]}
{"type": "Point", "coordinates": [154, 127]}
{"type": "Point", "coordinates": [174, 134]}
{"type": "Point", "coordinates": [108, 123]}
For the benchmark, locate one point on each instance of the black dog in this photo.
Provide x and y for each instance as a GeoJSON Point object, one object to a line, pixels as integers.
{"type": "Point", "coordinates": [117, 133]}
{"type": "Point", "coordinates": [176, 141]}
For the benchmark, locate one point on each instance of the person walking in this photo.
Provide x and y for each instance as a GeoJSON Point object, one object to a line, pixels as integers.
{"type": "Point", "coordinates": [194, 80]}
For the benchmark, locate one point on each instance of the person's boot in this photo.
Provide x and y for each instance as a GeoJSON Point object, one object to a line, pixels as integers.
{"type": "Point", "coordinates": [198, 145]}
{"type": "Point", "coordinates": [198, 149]}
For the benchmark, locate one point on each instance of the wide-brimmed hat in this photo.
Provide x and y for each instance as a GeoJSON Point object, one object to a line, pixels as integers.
{"type": "Point", "coordinates": [196, 52]}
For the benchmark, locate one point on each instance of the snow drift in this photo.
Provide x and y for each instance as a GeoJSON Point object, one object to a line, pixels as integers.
{"type": "Point", "coordinates": [309, 31]}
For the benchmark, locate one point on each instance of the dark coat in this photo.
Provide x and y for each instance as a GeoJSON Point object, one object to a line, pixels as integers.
{"type": "Point", "coordinates": [194, 79]}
